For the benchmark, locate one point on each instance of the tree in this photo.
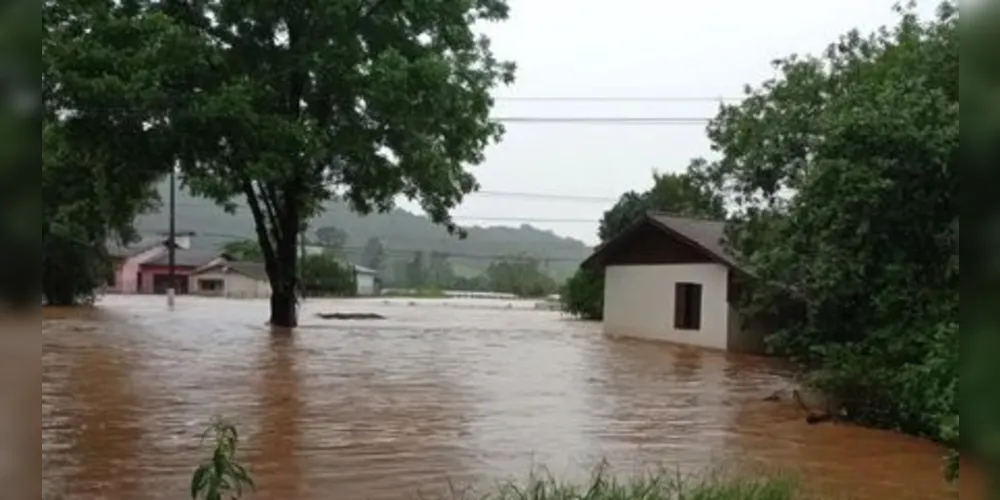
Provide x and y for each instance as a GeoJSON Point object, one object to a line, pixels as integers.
{"type": "Point", "coordinates": [416, 272]}
{"type": "Point", "coordinates": [373, 255]}
{"type": "Point", "coordinates": [520, 275]}
{"type": "Point", "coordinates": [440, 273]}
{"type": "Point", "coordinates": [109, 80]}
{"type": "Point", "coordinates": [690, 193]}
{"type": "Point", "coordinates": [365, 100]}
{"type": "Point", "coordinates": [331, 238]}
{"type": "Point", "coordinates": [844, 170]}
{"type": "Point", "coordinates": [246, 250]}
{"type": "Point", "coordinates": [324, 275]}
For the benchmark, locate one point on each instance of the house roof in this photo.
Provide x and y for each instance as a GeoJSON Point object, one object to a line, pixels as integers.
{"type": "Point", "coordinates": [706, 236]}
{"type": "Point", "coordinates": [117, 249]}
{"type": "Point", "coordinates": [255, 270]}
{"type": "Point", "coordinates": [363, 270]}
{"type": "Point", "coordinates": [185, 258]}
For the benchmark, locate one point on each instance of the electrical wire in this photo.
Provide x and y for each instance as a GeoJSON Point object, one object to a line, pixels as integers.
{"type": "Point", "coordinates": [616, 99]}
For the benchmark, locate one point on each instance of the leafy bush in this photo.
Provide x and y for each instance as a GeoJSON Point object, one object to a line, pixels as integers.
{"type": "Point", "coordinates": [844, 169]}
{"type": "Point", "coordinates": [324, 275]}
{"type": "Point", "coordinates": [222, 477]}
{"type": "Point", "coordinates": [583, 295]}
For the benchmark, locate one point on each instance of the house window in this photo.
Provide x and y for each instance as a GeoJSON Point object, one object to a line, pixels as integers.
{"type": "Point", "coordinates": [687, 306]}
{"type": "Point", "coordinates": [214, 285]}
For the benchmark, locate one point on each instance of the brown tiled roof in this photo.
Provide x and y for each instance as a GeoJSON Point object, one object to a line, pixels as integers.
{"type": "Point", "coordinates": [186, 258]}
{"type": "Point", "coordinates": [255, 270]}
{"type": "Point", "coordinates": [710, 235]}
{"type": "Point", "coordinates": [707, 236]}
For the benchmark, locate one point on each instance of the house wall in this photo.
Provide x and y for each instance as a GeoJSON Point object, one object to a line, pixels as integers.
{"type": "Point", "coordinates": [639, 303]}
{"type": "Point", "coordinates": [236, 285]}
{"type": "Point", "coordinates": [149, 274]}
{"type": "Point", "coordinates": [366, 284]}
{"type": "Point", "coordinates": [127, 272]}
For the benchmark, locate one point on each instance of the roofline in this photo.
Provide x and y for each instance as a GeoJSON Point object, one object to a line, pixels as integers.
{"type": "Point", "coordinates": [648, 217]}
{"type": "Point", "coordinates": [229, 267]}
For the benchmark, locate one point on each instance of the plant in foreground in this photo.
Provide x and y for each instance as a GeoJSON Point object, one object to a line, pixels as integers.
{"type": "Point", "coordinates": [660, 486]}
{"type": "Point", "coordinates": [222, 477]}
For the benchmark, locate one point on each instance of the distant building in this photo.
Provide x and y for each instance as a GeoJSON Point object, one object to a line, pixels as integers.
{"type": "Point", "coordinates": [366, 280]}
{"type": "Point", "coordinates": [670, 278]}
{"type": "Point", "coordinates": [235, 280]}
{"type": "Point", "coordinates": [136, 265]}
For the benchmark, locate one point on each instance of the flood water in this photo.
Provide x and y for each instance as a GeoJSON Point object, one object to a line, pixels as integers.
{"type": "Point", "coordinates": [440, 392]}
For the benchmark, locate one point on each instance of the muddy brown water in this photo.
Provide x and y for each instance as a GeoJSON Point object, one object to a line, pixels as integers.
{"type": "Point", "coordinates": [439, 394]}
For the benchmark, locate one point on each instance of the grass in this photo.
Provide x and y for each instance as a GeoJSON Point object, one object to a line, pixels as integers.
{"type": "Point", "coordinates": [223, 478]}
{"type": "Point", "coordinates": [659, 486]}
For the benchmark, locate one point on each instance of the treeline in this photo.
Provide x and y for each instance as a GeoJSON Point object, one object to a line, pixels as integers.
{"type": "Point", "coordinates": [329, 272]}
{"type": "Point", "coordinates": [842, 179]}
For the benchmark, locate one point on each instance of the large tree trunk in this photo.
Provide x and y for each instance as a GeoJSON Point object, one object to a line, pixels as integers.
{"type": "Point", "coordinates": [284, 301]}
{"type": "Point", "coordinates": [284, 309]}
{"type": "Point", "coordinates": [277, 229]}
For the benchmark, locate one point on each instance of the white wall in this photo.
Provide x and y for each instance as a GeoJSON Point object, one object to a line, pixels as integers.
{"type": "Point", "coordinates": [366, 284]}
{"type": "Point", "coordinates": [639, 302]}
{"type": "Point", "coordinates": [237, 286]}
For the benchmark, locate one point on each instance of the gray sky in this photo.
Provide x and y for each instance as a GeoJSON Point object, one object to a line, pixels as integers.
{"type": "Point", "coordinates": [631, 48]}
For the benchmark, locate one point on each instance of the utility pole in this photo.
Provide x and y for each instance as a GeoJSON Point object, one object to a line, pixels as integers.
{"type": "Point", "coordinates": [172, 239]}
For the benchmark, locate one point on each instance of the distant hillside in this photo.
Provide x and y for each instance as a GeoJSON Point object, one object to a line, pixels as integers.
{"type": "Point", "coordinates": [403, 233]}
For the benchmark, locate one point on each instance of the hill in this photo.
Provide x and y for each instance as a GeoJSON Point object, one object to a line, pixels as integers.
{"type": "Point", "coordinates": [402, 233]}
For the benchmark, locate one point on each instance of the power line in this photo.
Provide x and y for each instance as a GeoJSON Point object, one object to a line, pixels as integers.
{"type": "Point", "coordinates": [607, 120]}
{"type": "Point", "coordinates": [529, 119]}
{"type": "Point", "coordinates": [617, 99]}
{"type": "Point", "coordinates": [521, 194]}
{"type": "Point", "coordinates": [483, 217]}
{"type": "Point", "coordinates": [545, 196]}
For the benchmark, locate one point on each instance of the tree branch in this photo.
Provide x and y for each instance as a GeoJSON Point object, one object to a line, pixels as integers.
{"type": "Point", "coordinates": [266, 246]}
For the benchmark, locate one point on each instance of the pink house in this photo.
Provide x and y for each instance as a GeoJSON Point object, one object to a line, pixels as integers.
{"type": "Point", "coordinates": [129, 261]}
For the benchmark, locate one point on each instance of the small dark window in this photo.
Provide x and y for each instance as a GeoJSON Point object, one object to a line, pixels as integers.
{"type": "Point", "coordinates": [210, 285]}
{"type": "Point", "coordinates": [687, 306]}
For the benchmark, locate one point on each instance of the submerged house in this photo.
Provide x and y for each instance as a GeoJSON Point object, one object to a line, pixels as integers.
{"type": "Point", "coordinates": [671, 279]}
{"type": "Point", "coordinates": [229, 279]}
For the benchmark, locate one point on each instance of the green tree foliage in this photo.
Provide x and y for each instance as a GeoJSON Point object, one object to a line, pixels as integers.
{"type": "Point", "coordinates": [245, 250]}
{"type": "Point", "coordinates": [583, 295]}
{"type": "Point", "coordinates": [311, 99]}
{"type": "Point", "coordinates": [415, 271]}
{"type": "Point", "coordinates": [520, 275]}
{"type": "Point", "coordinates": [440, 275]}
{"type": "Point", "coordinates": [844, 168]}
{"type": "Point", "coordinates": [108, 75]}
{"type": "Point", "coordinates": [331, 238]}
{"type": "Point", "coordinates": [324, 275]}
{"type": "Point", "coordinates": [689, 193]}
{"type": "Point", "coordinates": [373, 255]}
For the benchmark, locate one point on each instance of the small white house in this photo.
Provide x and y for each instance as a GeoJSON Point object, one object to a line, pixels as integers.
{"type": "Point", "coordinates": [366, 281]}
{"type": "Point", "coordinates": [670, 278]}
{"type": "Point", "coordinates": [237, 280]}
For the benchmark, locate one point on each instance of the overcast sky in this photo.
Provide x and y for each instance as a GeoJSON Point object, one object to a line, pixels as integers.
{"type": "Point", "coordinates": [630, 49]}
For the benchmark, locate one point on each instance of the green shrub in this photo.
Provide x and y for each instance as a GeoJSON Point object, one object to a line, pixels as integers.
{"type": "Point", "coordinates": [222, 477]}
{"type": "Point", "coordinates": [583, 295]}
